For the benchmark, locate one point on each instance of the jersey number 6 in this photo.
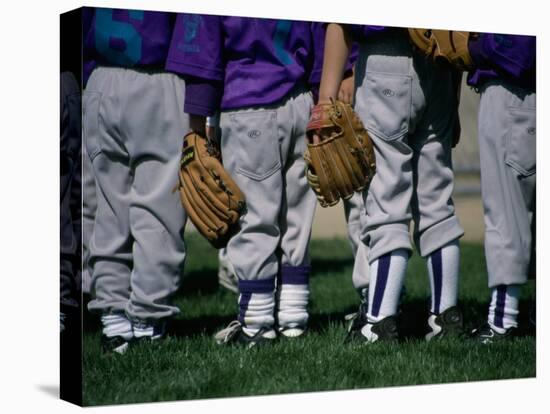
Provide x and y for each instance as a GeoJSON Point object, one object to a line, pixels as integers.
{"type": "Point", "coordinates": [119, 42]}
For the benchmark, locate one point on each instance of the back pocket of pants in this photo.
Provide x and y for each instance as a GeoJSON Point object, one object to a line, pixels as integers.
{"type": "Point", "coordinates": [521, 141]}
{"type": "Point", "coordinates": [388, 104]}
{"type": "Point", "coordinates": [90, 130]}
{"type": "Point", "coordinates": [255, 133]}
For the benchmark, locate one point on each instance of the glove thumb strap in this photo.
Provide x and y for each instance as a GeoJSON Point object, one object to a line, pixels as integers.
{"type": "Point", "coordinates": [320, 118]}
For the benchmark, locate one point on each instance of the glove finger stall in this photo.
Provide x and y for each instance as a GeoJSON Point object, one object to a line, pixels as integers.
{"type": "Point", "coordinates": [209, 217]}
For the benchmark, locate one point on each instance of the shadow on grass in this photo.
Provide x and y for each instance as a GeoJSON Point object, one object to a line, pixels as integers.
{"type": "Point", "coordinates": [413, 316]}
{"type": "Point", "coordinates": [414, 313]}
{"type": "Point", "coordinates": [329, 265]}
{"type": "Point", "coordinates": [205, 325]}
{"type": "Point", "coordinates": [203, 281]}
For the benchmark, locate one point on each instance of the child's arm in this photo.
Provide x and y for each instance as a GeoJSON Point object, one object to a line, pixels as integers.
{"type": "Point", "coordinates": [337, 49]}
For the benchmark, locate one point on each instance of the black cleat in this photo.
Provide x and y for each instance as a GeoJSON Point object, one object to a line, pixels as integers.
{"type": "Point", "coordinates": [149, 331]}
{"type": "Point", "coordinates": [448, 323]}
{"type": "Point", "coordinates": [235, 334]}
{"type": "Point", "coordinates": [383, 330]}
{"type": "Point", "coordinates": [487, 335]}
{"type": "Point", "coordinates": [356, 322]}
{"type": "Point", "coordinates": [114, 344]}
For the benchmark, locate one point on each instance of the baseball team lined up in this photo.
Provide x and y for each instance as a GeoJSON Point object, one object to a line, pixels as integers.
{"type": "Point", "coordinates": [280, 116]}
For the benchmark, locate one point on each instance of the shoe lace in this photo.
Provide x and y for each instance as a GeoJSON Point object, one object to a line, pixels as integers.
{"type": "Point", "coordinates": [351, 316]}
{"type": "Point", "coordinates": [227, 333]}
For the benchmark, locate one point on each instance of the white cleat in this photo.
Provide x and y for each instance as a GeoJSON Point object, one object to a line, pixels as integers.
{"type": "Point", "coordinates": [292, 332]}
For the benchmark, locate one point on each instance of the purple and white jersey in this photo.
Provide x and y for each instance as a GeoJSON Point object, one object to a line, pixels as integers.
{"type": "Point", "coordinates": [511, 57]}
{"type": "Point", "coordinates": [237, 62]}
{"type": "Point", "coordinates": [125, 38]}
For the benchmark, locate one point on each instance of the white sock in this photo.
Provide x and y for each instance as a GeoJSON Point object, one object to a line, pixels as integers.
{"type": "Point", "coordinates": [117, 324]}
{"type": "Point", "coordinates": [153, 330]}
{"type": "Point", "coordinates": [504, 308]}
{"type": "Point", "coordinates": [292, 305]}
{"type": "Point", "coordinates": [143, 330]}
{"type": "Point", "coordinates": [256, 311]}
{"type": "Point", "coordinates": [443, 268]}
{"type": "Point", "coordinates": [387, 274]}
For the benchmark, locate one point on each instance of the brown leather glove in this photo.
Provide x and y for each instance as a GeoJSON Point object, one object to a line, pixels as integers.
{"type": "Point", "coordinates": [343, 161]}
{"type": "Point", "coordinates": [449, 45]}
{"type": "Point", "coordinates": [211, 198]}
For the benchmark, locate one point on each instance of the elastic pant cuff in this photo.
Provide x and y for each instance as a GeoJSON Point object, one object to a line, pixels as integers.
{"type": "Point", "coordinates": [386, 239]}
{"type": "Point", "coordinates": [294, 275]}
{"type": "Point", "coordinates": [439, 235]}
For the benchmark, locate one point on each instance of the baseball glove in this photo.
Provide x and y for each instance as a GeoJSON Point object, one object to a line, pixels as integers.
{"type": "Point", "coordinates": [209, 195]}
{"type": "Point", "coordinates": [343, 161]}
{"type": "Point", "coordinates": [449, 45]}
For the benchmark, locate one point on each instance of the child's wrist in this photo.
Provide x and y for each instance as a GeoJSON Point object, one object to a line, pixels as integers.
{"type": "Point", "coordinates": [326, 98]}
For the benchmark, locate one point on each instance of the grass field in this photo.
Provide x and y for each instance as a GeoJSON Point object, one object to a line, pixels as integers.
{"type": "Point", "coordinates": [189, 365]}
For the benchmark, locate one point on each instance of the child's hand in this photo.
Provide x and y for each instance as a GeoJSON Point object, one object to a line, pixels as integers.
{"type": "Point", "coordinates": [345, 93]}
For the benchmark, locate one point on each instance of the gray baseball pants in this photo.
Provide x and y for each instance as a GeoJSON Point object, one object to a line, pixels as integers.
{"type": "Point", "coordinates": [133, 129]}
{"type": "Point", "coordinates": [507, 149]}
{"type": "Point", "coordinates": [263, 151]}
{"type": "Point", "coordinates": [407, 105]}
{"type": "Point", "coordinates": [354, 209]}
{"type": "Point", "coordinates": [89, 207]}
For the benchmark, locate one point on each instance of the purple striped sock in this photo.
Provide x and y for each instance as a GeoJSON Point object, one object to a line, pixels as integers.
{"type": "Point", "coordinates": [252, 298]}
{"type": "Point", "coordinates": [381, 281]}
{"type": "Point", "coordinates": [500, 304]}
{"type": "Point", "coordinates": [437, 280]}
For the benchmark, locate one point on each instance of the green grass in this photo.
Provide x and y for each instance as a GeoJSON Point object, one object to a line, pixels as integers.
{"type": "Point", "coordinates": [188, 365]}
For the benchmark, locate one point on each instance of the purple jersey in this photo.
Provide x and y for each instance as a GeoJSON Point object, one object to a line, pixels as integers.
{"type": "Point", "coordinates": [511, 57]}
{"type": "Point", "coordinates": [318, 31]}
{"type": "Point", "coordinates": [125, 38]}
{"type": "Point", "coordinates": [362, 32]}
{"type": "Point", "coordinates": [248, 61]}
